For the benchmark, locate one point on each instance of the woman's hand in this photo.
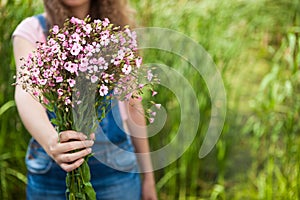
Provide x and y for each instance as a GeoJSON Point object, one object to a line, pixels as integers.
{"type": "Point", "coordinates": [61, 148]}
{"type": "Point", "coordinates": [148, 187]}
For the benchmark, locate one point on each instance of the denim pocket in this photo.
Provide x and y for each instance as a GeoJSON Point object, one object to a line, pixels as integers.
{"type": "Point", "coordinates": [120, 157]}
{"type": "Point", "coordinates": [123, 159]}
{"type": "Point", "coordinates": [37, 160]}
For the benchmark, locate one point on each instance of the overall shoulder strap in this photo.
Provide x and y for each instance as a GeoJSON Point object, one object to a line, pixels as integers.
{"type": "Point", "coordinates": [43, 23]}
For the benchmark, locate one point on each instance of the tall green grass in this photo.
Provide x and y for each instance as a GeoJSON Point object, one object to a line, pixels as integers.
{"type": "Point", "coordinates": [244, 38]}
{"type": "Point", "coordinates": [13, 136]}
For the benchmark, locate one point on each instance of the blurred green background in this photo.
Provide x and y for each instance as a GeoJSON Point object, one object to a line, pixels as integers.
{"type": "Point", "coordinates": [255, 45]}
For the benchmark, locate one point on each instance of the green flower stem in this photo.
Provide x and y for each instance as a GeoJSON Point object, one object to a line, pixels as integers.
{"type": "Point", "coordinates": [78, 184]}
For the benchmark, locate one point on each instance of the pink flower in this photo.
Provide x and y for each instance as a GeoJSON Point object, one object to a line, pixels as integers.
{"type": "Point", "coordinates": [157, 106]}
{"type": "Point", "coordinates": [82, 67]}
{"type": "Point", "coordinates": [59, 79]}
{"type": "Point", "coordinates": [104, 66]}
{"type": "Point", "coordinates": [40, 62]}
{"type": "Point", "coordinates": [51, 42]}
{"type": "Point", "coordinates": [88, 29]}
{"type": "Point", "coordinates": [151, 120]}
{"type": "Point", "coordinates": [61, 37]}
{"type": "Point", "coordinates": [63, 56]}
{"type": "Point", "coordinates": [139, 98]}
{"type": "Point", "coordinates": [46, 101]}
{"type": "Point", "coordinates": [94, 79]}
{"type": "Point", "coordinates": [28, 61]}
{"type": "Point", "coordinates": [149, 75]}
{"type": "Point", "coordinates": [105, 77]}
{"type": "Point", "coordinates": [93, 61]}
{"type": "Point", "coordinates": [71, 67]}
{"type": "Point", "coordinates": [122, 40]}
{"type": "Point", "coordinates": [116, 61]}
{"type": "Point", "coordinates": [71, 82]}
{"type": "Point", "coordinates": [75, 37]}
{"type": "Point", "coordinates": [35, 72]}
{"type": "Point", "coordinates": [101, 60]}
{"type": "Point", "coordinates": [138, 62]}
{"type": "Point", "coordinates": [105, 35]}
{"type": "Point", "coordinates": [65, 43]}
{"type": "Point", "coordinates": [154, 93]}
{"type": "Point", "coordinates": [121, 54]}
{"type": "Point", "coordinates": [141, 86]}
{"type": "Point", "coordinates": [111, 77]}
{"type": "Point", "coordinates": [117, 91]}
{"type": "Point", "coordinates": [46, 74]}
{"type": "Point", "coordinates": [51, 84]}
{"type": "Point", "coordinates": [76, 48]}
{"type": "Point", "coordinates": [105, 22]}
{"type": "Point", "coordinates": [75, 20]}
{"type": "Point", "coordinates": [67, 101]}
{"type": "Point", "coordinates": [55, 48]}
{"type": "Point", "coordinates": [126, 69]}
{"type": "Point", "coordinates": [55, 64]}
{"type": "Point", "coordinates": [60, 92]}
{"type": "Point", "coordinates": [36, 93]}
{"type": "Point", "coordinates": [104, 42]}
{"type": "Point", "coordinates": [55, 29]}
{"type": "Point", "coordinates": [103, 90]}
{"type": "Point", "coordinates": [42, 81]}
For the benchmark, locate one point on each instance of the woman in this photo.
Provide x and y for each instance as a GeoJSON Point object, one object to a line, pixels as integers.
{"type": "Point", "coordinates": [47, 160]}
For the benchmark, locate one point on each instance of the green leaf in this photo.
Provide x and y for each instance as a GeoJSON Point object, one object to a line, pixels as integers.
{"type": "Point", "coordinates": [85, 172]}
{"type": "Point", "coordinates": [6, 106]}
{"type": "Point", "coordinates": [68, 180]}
{"type": "Point", "coordinates": [71, 196]}
{"type": "Point", "coordinates": [49, 107]}
{"type": "Point", "coordinates": [90, 192]}
{"type": "Point", "coordinates": [55, 121]}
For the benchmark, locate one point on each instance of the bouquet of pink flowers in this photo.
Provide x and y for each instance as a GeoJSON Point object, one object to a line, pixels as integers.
{"type": "Point", "coordinates": [75, 74]}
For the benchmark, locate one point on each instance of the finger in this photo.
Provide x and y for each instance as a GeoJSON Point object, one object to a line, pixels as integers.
{"type": "Point", "coordinates": [65, 136]}
{"type": "Point", "coordinates": [92, 136]}
{"type": "Point", "coordinates": [71, 157]}
{"type": "Point", "coordinates": [71, 166]}
{"type": "Point", "coordinates": [74, 145]}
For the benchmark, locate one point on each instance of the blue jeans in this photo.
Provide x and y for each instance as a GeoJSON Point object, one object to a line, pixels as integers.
{"type": "Point", "coordinates": [113, 185]}
{"type": "Point", "coordinates": [46, 180]}
{"type": "Point", "coordinates": [114, 169]}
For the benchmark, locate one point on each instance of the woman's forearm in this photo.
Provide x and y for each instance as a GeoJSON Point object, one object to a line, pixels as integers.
{"type": "Point", "coordinates": [34, 118]}
{"type": "Point", "coordinates": [137, 127]}
{"type": "Point", "coordinates": [32, 113]}
{"type": "Point", "coordinates": [36, 121]}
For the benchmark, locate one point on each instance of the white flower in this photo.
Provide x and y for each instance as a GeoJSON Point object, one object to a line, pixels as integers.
{"type": "Point", "coordinates": [126, 69]}
{"type": "Point", "coordinates": [149, 75]}
{"type": "Point", "coordinates": [103, 90]}
{"type": "Point", "coordinates": [94, 79]}
{"type": "Point", "coordinates": [71, 82]}
{"type": "Point", "coordinates": [76, 48]}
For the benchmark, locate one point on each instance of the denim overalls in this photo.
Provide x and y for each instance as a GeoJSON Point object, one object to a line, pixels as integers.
{"type": "Point", "coordinates": [114, 168]}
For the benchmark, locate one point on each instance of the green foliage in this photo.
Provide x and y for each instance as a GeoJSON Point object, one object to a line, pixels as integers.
{"type": "Point", "coordinates": [248, 42]}
{"type": "Point", "coordinates": [13, 136]}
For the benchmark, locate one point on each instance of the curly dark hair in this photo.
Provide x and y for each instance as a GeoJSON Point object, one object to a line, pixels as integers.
{"type": "Point", "coordinates": [118, 11]}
